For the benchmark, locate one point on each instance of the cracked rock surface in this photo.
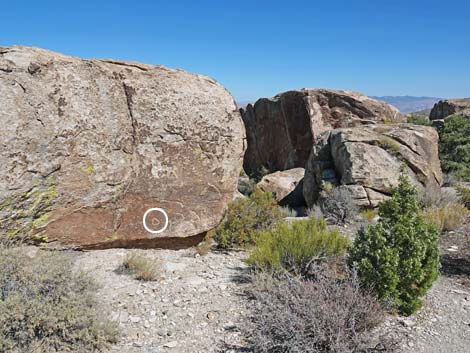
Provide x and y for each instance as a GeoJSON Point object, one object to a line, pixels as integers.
{"type": "Point", "coordinates": [367, 161]}
{"type": "Point", "coordinates": [281, 130]}
{"type": "Point", "coordinates": [87, 146]}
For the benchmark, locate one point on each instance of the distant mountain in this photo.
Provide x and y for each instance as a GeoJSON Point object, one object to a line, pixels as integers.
{"type": "Point", "coordinates": [406, 104]}
{"type": "Point", "coordinates": [410, 104]}
{"type": "Point", "coordinates": [243, 104]}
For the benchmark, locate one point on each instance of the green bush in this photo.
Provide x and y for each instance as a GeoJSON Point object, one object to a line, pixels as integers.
{"type": "Point", "coordinates": [399, 255]}
{"type": "Point", "coordinates": [454, 146]}
{"type": "Point", "coordinates": [295, 246]}
{"type": "Point", "coordinates": [46, 307]}
{"type": "Point", "coordinates": [246, 217]}
{"type": "Point", "coordinates": [419, 120]}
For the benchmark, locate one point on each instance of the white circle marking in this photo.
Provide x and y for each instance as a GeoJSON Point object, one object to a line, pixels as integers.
{"type": "Point", "coordinates": [158, 210]}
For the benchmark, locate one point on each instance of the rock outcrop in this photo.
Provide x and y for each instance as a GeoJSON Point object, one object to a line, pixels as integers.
{"type": "Point", "coordinates": [447, 107]}
{"type": "Point", "coordinates": [369, 160]}
{"type": "Point", "coordinates": [89, 145]}
{"type": "Point", "coordinates": [286, 186]}
{"type": "Point", "coordinates": [281, 130]}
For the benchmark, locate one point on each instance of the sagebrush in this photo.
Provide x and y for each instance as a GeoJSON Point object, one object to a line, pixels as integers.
{"type": "Point", "coordinates": [46, 306]}
{"type": "Point", "coordinates": [398, 256]}
{"type": "Point", "coordinates": [337, 205]}
{"type": "Point", "coordinates": [311, 316]}
{"type": "Point", "coordinates": [245, 217]}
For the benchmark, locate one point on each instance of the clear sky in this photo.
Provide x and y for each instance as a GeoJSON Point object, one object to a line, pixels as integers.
{"type": "Point", "coordinates": [259, 48]}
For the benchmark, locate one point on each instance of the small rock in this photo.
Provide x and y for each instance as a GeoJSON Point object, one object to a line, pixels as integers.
{"type": "Point", "coordinates": [211, 316]}
{"type": "Point", "coordinates": [171, 344]}
{"type": "Point", "coordinates": [407, 322]}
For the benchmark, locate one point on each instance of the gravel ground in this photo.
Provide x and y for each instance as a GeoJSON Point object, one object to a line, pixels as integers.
{"type": "Point", "coordinates": [193, 307]}
{"type": "Point", "coordinates": [197, 303]}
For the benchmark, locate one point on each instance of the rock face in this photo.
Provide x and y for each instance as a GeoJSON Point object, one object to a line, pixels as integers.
{"type": "Point", "coordinates": [448, 107]}
{"type": "Point", "coordinates": [369, 160]}
{"type": "Point", "coordinates": [286, 186]}
{"type": "Point", "coordinates": [281, 130]}
{"type": "Point", "coordinates": [89, 145]}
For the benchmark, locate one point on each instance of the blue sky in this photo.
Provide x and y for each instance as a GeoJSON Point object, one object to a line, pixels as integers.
{"type": "Point", "coordinates": [259, 48]}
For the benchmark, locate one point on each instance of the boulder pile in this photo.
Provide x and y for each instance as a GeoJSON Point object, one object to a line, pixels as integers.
{"type": "Point", "coordinates": [367, 161]}
{"type": "Point", "coordinates": [281, 130]}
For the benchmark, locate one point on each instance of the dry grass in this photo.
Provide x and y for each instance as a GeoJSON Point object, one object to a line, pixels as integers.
{"type": "Point", "coordinates": [447, 218]}
{"type": "Point", "coordinates": [141, 267]}
{"type": "Point", "coordinates": [203, 248]}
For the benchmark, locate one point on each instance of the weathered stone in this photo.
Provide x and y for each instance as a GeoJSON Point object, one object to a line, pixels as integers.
{"type": "Point", "coordinates": [447, 107]}
{"type": "Point", "coordinates": [286, 186]}
{"type": "Point", "coordinates": [370, 159]}
{"type": "Point", "coordinates": [281, 130]}
{"type": "Point", "coordinates": [89, 145]}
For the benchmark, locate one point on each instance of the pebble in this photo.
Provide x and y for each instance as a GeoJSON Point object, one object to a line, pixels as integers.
{"type": "Point", "coordinates": [171, 344]}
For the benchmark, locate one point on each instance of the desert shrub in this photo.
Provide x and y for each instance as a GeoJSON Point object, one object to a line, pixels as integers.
{"type": "Point", "coordinates": [296, 246]}
{"type": "Point", "coordinates": [389, 144]}
{"type": "Point", "coordinates": [431, 197]}
{"type": "Point", "coordinates": [454, 146]}
{"type": "Point", "coordinates": [259, 173]}
{"type": "Point", "coordinates": [398, 256]}
{"type": "Point", "coordinates": [46, 307]}
{"type": "Point", "coordinates": [464, 194]}
{"type": "Point", "coordinates": [141, 267]}
{"type": "Point", "coordinates": [246, 186]}
{"type": "Point", "coordinates": [337, 205]}
{"type": "Point", "coordinates": [446, 218]}
{"type": "Point", "coordinates": [368, 214]}
{"type": "Point", "coordinates": [315, 212]}
{"type": "Point", "coordinates": [312, 316]}
{"type": "Point", "coordinates": [288, 212]}
{"type": "Point", "coordinates": [245, 218]}
{"type": "Point", "coordinates": [418, 120]}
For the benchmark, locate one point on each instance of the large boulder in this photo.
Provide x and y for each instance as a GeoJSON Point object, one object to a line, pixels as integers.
{"type": "Point", "coordinates": [286, 186]}
{"type": "Point", "coordinates": [281, 130]}
{"type": "Point", "coordinates": [447, 107]}
{"type": "Point", "coordinates": [88, 146]}
{"type": "Point", "coordinates": [369, 160]}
